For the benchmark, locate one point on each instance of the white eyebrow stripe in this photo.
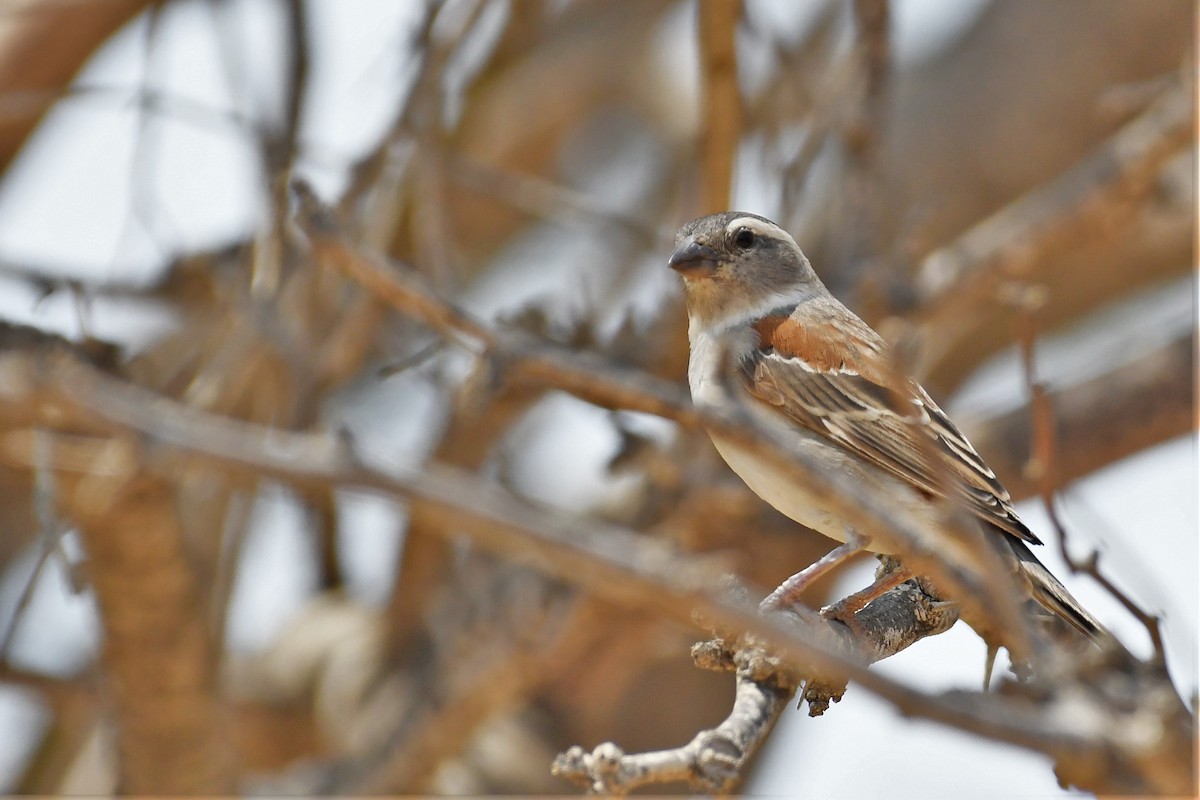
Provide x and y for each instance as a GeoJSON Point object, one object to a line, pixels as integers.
{"type": "Point", "coordinates": [766, 229]}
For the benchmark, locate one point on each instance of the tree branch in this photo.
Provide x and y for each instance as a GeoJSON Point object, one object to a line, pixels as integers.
{"type": "Point", "coordinates": [159, 660]}
{"type": "Point", "coordinates": [1097, 198]}
{"type": "Point", "coordinates": [714, 760]}
{"type": "Point", "coordinates": [1139, 404]}
{"type": "Point", "coordinates": [44, 47]}
{"type": "Point", "coordinates": [722, 103]}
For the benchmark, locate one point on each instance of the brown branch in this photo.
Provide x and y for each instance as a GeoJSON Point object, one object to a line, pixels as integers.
{"type": "Point", "coordinates": [550, 201]}
{"type": "Point", "coordinates": [1098, 197]}
{"type": "Point", "coordinates": [872, 19]}
{"type": "Point", "coordinates": [722, 102]}
{"type": "Point", "coordinates": [404, 762]}
{"type": "Point", "coordinates": [610, 561]}
{"type": "Point", "coordinates": [158, 656]}
{"type": "Point", "coordinates": [45, 44]}
{"type": "Point", "coordinates": [856, 266]}
{"type": "Point", "coordinates": [1136, 405]}
{"type": "Point", "coordinates": [427, 554]}
{"type": "Point", "coordinates": [75, 713]}
{"type": "Point", "coordinates": [714, 761]}
{"type": "Point", "coordinates": [279, 149]}
{"type": "Point", "coordinates": [452, 710]}
{"type": "Point", "coordinates": [1043, 465]}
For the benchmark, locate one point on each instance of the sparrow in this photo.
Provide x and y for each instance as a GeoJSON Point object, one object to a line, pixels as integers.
{"type": "Point", "coordinates": [822, 381]}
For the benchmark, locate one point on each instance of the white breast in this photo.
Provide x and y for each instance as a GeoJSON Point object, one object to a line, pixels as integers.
{"type": "Point", "coordinates": [784, 496]}
{"type": "Point", "coordinates": [708, 385]}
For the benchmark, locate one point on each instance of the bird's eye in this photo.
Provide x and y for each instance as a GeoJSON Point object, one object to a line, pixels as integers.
{"type": "Point", "coordinates": [744, 239]}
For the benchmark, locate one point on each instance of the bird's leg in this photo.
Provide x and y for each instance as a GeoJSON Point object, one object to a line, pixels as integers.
{"type": "Point", "coordinates": [845, 609]}
{"type": "Point", "coordinates": [993, 650]}
{"type": "Point", "coordinates": [790, 590]}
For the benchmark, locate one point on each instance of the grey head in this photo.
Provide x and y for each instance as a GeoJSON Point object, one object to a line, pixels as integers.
{"type": "Point", "coordinates": [738, 266]}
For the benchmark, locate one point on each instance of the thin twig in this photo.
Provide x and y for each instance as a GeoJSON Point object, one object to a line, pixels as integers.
{"type": "Point", "coordinates": [1043, 467]}
{"type": "Point", "coordinates": [550, 201]}
{"type": "Point", "coordinates": [1138, 404]}
{"type": "Point", "coordinates": [48, 539]}
{"type": "Point", "coordinates": [279, 149]}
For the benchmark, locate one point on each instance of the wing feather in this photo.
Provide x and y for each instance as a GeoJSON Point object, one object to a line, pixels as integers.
{"type": "Point", "coordinates": [895, 426]}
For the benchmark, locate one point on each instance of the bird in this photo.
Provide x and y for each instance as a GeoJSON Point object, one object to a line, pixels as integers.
{"type": "Point", "coordinates": [822, 381]}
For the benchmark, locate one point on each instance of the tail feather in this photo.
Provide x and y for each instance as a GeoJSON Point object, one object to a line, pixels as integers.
{"type": "Point", "coordinates": [1051, 595]}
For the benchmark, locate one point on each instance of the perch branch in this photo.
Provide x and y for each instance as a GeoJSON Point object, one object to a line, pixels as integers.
{"type": "Point", "coordinates": [714, 760]}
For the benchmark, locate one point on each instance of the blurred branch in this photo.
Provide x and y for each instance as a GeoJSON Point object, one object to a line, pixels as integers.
{"type": "Point", "coordinates": [551, 201]}
{"type": "Point", "coordinates": [1136, 405]}
{"type": "Point", "coordinates": [159, 660]}
{"type": "Point", "coordinates": [75, 711]}
{"type": "Point", "coordinates": [49, 539]}
{"type": "Point", "coordinates": [612, 562]}
{"type": "Point", "coordinates": [1043, 466]}
{"type": "Point", "coordinates": [469, 439]}
{"type": "Point", "coordinates": [1099, 197]}
{"type": "Point", "coordinates": [44, 46]}
{"type": "Point", "coordinates": [430, 55]}
{"type": "Point", "coordinates": [873, 21]}
{"type": "Point", "coordinates": [859, 267]}
{"type": "Point", "coordinates": [279, 149]}
{"type": "Point", "coordinates": [298, 65]}
{"type": "Point", "coordinates": [722, 101]}
{"type": "Point", "coordinates": [447, 716]}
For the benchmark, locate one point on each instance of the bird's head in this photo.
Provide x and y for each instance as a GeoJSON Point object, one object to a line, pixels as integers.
{"type": "Point", "coordinates": [737, 267]}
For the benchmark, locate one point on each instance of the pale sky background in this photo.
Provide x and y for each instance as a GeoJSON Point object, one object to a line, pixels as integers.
{"type": "Point", "coordinates": [67, 204]}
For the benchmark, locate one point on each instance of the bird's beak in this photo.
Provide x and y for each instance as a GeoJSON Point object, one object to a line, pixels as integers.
{"type": "Point", "coordinates": [694, 260]}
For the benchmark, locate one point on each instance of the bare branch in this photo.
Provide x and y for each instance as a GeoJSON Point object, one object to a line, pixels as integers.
{"type": "Point", "coordinates": [1136, 405]}
{"type": "Point", "coordinates": [1098, 197]}
{"type": "Point", "coordinates": [714, 760]}
{"type": "Point", "coordinates": [43, 49]}
{"type": "Point", "coordinates": [1043, 466]}
{"type": "Point", "coordinates": [856, 258]}
{"type": "Point", "coordinates": [722, 101]}
{"type": "Point", "coordinates": [457, 704]}
{"type": "Point", "coordinates": [158, 655]}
